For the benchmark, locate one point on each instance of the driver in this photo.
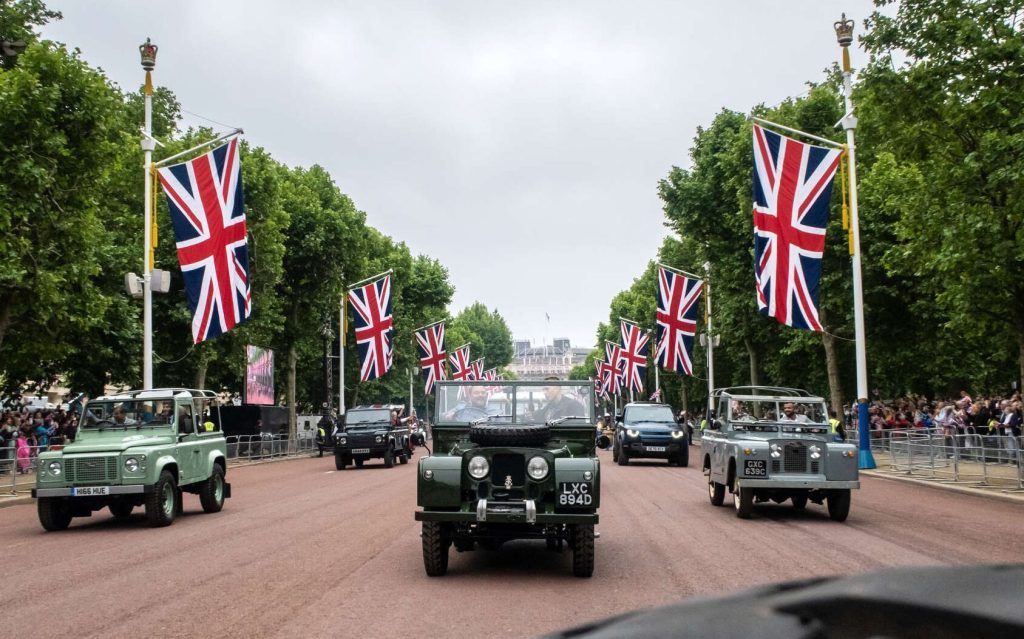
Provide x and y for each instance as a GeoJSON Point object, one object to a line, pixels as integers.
{"type": "Point", "coordinates": [739, 412]}
{"type": "Point", "coordinates": [558, 405]}
{"type": "Point", "coordinates": [789, 414]}
{"type": "Point", "coordinates": [121, 417]}
{"type": "Point", "coordinates": [474, 406]}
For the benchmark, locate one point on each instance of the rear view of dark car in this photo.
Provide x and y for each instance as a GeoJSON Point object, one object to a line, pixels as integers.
{"type": "Point", "coordinates": [649, 430]}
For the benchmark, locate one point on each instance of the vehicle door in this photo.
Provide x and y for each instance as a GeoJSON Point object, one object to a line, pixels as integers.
{"type": "Point", "coordinates": [209, 435]}
{"type": "Point", "coordinates": [188, 443]}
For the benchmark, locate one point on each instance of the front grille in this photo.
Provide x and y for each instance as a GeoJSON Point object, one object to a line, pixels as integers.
{"type": "Point", "coordinates": [504, 465]}
{"type": "Point", "coordinates": [775, 465]}
{"type": "Point", "coordinates": [91, 469]}
{"type": "Point", "coordinates": [814, 467]}
{"type": "Point", "coordinates": [794, 458]}
{"type": "Point", "coordinates": [361, 441]}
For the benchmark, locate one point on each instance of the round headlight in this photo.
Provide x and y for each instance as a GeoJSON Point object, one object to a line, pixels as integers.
{"type": "Point", "coordinates": [815, 452]}
{"type": "Point", "coordinates": [54, 468]}
{"type": "Point", "coordinates": [478, 467]}
{"type": "Point", "coordinates": [342, 441]}
{"type": "Point", "coordinates": [537, 468]}
{"type": "Point", "coordinates": [131, 464]}
{"type": "Point", "coordinates": [632, 433]}
{"type": "Point", "coordinates": [428, 474]}
{"type": "Point", "coordinates": [379, 439]}
{"type": "Point", "coordinates": [776, 450]}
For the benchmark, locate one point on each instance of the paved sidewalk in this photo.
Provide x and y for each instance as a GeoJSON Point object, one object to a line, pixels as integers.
{"type": "Point", "coordinates": [965, 475]}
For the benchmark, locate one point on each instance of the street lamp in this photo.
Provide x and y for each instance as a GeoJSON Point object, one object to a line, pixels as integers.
{"type": "Point", "coordinates": [147, 53]}
{"type": "Point", "coordinates": [327, 333]}
{"type": "Point", "coordinates": [844, 36]}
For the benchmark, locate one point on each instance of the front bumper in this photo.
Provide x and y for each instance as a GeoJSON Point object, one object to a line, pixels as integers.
{"type": "Point", "coordinates": [506, 513]}
{"type": "Point", "coordinates": [132, 489]}
{"type": "Point", "coordinates": [373, 450]}
{"type": "Point", "coordinates": [809, 483]}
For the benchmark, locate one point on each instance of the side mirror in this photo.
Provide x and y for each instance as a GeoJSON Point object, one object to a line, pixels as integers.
{"type": "Point", "coordinates": [603, 442]}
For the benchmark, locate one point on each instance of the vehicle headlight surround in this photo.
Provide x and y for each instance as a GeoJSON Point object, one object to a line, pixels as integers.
{"type": "Point", "coordinates": [342, 441]}
{"type": "Point", "coordinates": [537, 468]}
{"type": "Point", "coordinates": [135, 463]}
{"type": "Point", "coordinates": [428, 474]}
{"type": "Point", "coordinates": [678, 434]}
{"type": "Point", "coordinates": [478, 467]}
{"type": "Point", "coordinates": [55, 468]}
{"type": "Point", "coordinates": [632, 433]}
{"type": "Point", "coordinates": [776, 451]}
{"type": "Point", "coordinates": [378, 439]}
{"type": "Point", "coordinates": [815, 452]}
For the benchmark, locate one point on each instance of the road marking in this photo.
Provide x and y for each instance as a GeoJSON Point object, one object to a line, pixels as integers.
{"type": "Point", "coordinates": [328, 472]}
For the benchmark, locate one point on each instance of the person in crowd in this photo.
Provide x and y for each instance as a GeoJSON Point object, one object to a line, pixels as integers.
{"type": "Point", "coordinates": [23, 452]}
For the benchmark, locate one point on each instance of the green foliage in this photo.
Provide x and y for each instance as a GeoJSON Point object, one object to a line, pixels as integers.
{"type": "Point", "coordinates": [490, 336]}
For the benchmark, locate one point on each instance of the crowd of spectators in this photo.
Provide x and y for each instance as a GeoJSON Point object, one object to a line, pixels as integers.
{"type": "Point", "coordinates": [25, 432]}
{"type": "Point", "coordinates": [989, 416]}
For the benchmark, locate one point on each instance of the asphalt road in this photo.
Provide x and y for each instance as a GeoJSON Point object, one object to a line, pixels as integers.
{"type": "Point", "coordinates": [302, 550]}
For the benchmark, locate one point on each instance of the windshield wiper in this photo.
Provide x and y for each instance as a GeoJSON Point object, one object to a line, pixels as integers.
{"type": "Point", "coordinates": [486, 418]}
{"type": "Point", "coordinates": [556, 422]}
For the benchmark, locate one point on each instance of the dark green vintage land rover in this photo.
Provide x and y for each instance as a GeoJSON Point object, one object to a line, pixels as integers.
{"type": "Point", "coordinates": [510, 461]}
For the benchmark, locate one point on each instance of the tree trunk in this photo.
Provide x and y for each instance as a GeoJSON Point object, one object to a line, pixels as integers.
{"type": "Point", "coordinates": [835, 386]}
{"type": "Point", "coordinates": [1020, 359]}
{"type": "Point", "coordinates": [201, 373]}
{"type": "Point", "coordinates": [682, 395]}
{"type": "Point", "coordinates": [292, 417]}
{"type": "Point", "coordinates": [755, 362]}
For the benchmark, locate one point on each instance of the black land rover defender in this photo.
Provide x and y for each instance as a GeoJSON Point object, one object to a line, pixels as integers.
{"type": "Point", "coordinates": [373, 432]}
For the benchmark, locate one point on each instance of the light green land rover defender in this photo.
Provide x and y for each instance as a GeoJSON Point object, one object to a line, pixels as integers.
{"type": "Point", "coordinates": [137, 448]}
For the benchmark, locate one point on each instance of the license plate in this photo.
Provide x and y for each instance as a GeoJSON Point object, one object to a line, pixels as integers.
{"type": "Point", "coordinates": [360, 451]}
{"type": "Point", "coordinates": [575, 494]}
{"type": "Point", "coordinates": [754, 468]}
{"type": "Point", "coordinates": [89, 491]}
{"type": "Point", "coordinates": [655, 449]}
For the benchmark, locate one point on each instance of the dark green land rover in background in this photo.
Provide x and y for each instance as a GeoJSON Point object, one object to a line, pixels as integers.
{"type": "Point", "coordinates": [515, 461]}
{"type": "Point", "coordinates": [137, 448]}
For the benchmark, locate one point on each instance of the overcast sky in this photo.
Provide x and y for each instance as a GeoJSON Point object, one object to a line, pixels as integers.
{"type": "Point", "coordinates": [520, 143]}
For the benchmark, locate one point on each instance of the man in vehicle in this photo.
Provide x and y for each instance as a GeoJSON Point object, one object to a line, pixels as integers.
{"type": "Point", "coordinates": [474, 406]}
{"type": "Point", "coordinates": [739, 412]}
{"type": "Point", "coordinates": [789, 414]}
{"type": "Point", "coordinates": [558, 405]}
{"type": "Point", "coordinates": [121, 417]}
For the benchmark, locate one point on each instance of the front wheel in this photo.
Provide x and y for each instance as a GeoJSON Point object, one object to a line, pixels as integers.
{"type": "Point", "coordinates": [339, 462]}
{"type": "Point", "coordinates": [436, 541]}
{"type": "Point", "coordinates": [53, 513]}
{"type": "Point", "coordinates": [742, 500]}
{"type": "Point", "coordinates": [211, 495]}
{"type": "Point", "coordinates": [839, 504]}
{"type": "Point", "coordinates": [389, 457]}
{"type": "Point", "coordinates": [623, 457]}
{"type": "Point", "coordinates": [121, 509]}
{"type": "Point", "coordinates": [799, 501]}
{"type": "Point", "coordinates": [716, 492]}
{"type": "Point", "coordinates": [583, 550]}
{"type": "Point", "coordinates": [162, 503]}
{"type": "Point", "coordinates": [615, 453]}
{"type": "Point", "coordinates": [684, 456]}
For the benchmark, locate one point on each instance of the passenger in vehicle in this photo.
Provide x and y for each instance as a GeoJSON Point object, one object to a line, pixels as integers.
{"type": "Point", "coordinates": [789, 414]}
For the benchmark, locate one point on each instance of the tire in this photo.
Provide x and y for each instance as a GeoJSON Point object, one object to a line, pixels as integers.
{"type": "Point", "coordinates": [799, 501]}
{"type": "Point", "coordinates": [53, 513]}
{"type": "Point", "coordinates": [684, 456]}
{"type": "Point", "coordinates": [359, 463]}
{"type": "Point", "coordinates": [389, 457]}
{"type": "Point", "coordinates": [436, 541]}
{"type": "Point", "coordinates": [121, 509]}
{"type": "Point", "coordinates": [716, 492]}
{"type": "Point", "coordinates": [839, 504]}
{"type": "Point", "coordinates": [403, 458]}
{"type": "Point", "coordinates": [623, 457]}
{"type": "Point", "coordinates": [742, 500]}
{"type": "Point", "coordinates": [615, 453]}
{"type": "Point", "coordinates": [162, 503]}
{"type": "Point", "coordinates": [211, 494]}
{"type": "Point", "coordinates": [583, 550]}
{"type": "Point", "coordinates": [339, 462]}
{"type": "Point", "coordinates": [510, 435]}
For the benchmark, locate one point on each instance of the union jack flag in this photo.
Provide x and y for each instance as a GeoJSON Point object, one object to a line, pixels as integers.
{"type": "Point", "coordinates": [604, 381]}
{"type": "Point", "coordinates": [634, 355]}
{"type": "Point", "coordinates": [205, 200]}
{"type": "Point", "coordinates": [461, 368]}
{"type": "Point", "coordinates": [374, 327]}
{"type": "Point", "coordinates": [491, 374]}
{"type": "Point", "coordinates": [430, 344]}
{"type": "Point", "coordinates": [678, 301]}
{"type": "Point", "coordinates": [614, 363]}
{"type": "Point", "coordinates": [478, 369]}
{"type": "Point", "coordinates": [792, 188]}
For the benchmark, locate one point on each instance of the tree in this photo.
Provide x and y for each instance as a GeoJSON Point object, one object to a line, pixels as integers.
{"type": "Point", "coordinates": [487, 330]}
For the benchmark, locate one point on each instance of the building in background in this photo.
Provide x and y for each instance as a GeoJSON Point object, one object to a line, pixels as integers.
{"type": "Point", "coordinates": [540, 362]}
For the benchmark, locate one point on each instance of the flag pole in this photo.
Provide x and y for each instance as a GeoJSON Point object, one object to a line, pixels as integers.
{"type": "Point", "coordinates": [148, 54]}
{"type": "Point", "coordinates": [370, 279]}
{"type": "Point", "coordinates": [844, 35]}
{"type": "Point", "coordinates": [341, 354]}
{"type": "Point", "coordinates": [199, 146]}
{"type": "Point", "coordinates": [710, 340]}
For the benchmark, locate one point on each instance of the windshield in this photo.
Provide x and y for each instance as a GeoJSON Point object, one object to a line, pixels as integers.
{"type": "Point", "coordinates": [662, 414]}
{"type": "Point", "coordinates": [364, 418]}
{"type": "Point", "coordinates": [778, 411]}
{"type": "Point", "coordinates": [521, 402]}
{"type": "Point", "coordinates": [100, 414]}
